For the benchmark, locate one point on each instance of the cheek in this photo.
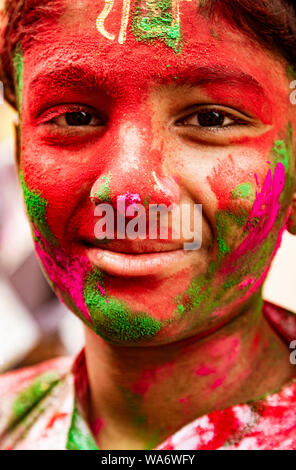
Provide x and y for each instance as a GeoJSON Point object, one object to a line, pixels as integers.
{"type": "Point", "coordinates": [233, 181]}
{"type": "Point", "coordinates": [61, 180]}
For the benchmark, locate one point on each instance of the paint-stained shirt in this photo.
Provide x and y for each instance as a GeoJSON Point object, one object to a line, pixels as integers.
{"type": "Point", "coordinates": [41, 408]}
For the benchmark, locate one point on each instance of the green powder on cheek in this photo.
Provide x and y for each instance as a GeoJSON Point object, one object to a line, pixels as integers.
{"type": "Point", "coordinates": [222, 231]}
{"type": "Point", "coordinates": [244, 191]}
{"type": "Point", "coordinates": [18, 64]}
{"type": "Point", "coordinates": [36, 209]}
{"type": "Point", "coordinates": [283, 150]}
{"type": "Point", "coordinates": [35, 204]}
{"type": "Point", "coordinates": [113, 320]}
{"type": "Point", "coordinates": [280, 149]}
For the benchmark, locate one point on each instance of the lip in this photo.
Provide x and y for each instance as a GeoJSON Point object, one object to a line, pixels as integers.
{"type": "Point", "coordinates": [135, 265]}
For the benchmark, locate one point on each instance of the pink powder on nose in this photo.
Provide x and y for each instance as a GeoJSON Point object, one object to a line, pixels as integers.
{"type": "Point", "coordinates": [126, 200]}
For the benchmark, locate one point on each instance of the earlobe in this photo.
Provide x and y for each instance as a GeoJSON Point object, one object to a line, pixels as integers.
{"type": "Point", "coordinates": [291, 224]}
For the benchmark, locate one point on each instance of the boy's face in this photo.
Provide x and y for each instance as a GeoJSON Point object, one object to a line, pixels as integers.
{"type": "Point", "coordinates": [153, 103]}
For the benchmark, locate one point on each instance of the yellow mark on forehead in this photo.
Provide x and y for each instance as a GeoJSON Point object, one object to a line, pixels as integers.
{"type": "Point", "coordinates": [101, 19]}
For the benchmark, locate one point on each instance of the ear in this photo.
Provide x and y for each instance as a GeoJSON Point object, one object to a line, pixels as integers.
{"type": "Point", "coordinates": [291, 224]}
{"type": "Point", "coordinates": [17, 146]}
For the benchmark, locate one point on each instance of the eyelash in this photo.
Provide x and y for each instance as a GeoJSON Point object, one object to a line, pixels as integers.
{"type": "Point", "coordinates": [237, 118]}
{"type": "Point", "coordinates": [52, 115]}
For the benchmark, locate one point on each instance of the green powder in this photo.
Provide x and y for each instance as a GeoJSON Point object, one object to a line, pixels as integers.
{"type": "Point", "coordinates": [34, 393]}
{"type": "Point", "coordinates": [146, 201]}
{"type": "Point", "coordinates": [244, 191]}
{"type": "Point", "coordinates": [154, 20]}
{"type": "Point", "coordinates": [36, 209]}
{"type": "Point", "coordinates": [18, 64]}
{"type": "Point", "coordinates": [283, 149]}
{"type": "Point", "coordinates": [103, 194]}
{"type": "Point", "coordinates": [280, 149]}
{"type": "Point", "coordinates": [79, 436]}
{"type": "Point", "coordinates": [291, 71]}
{"type": "Point", "coordinates": [112, 318]}
{"type": "Point", "coordinates": [222, 231]}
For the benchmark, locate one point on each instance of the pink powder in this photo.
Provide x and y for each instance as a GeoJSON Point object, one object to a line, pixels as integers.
{"type": "Point", "coordinates": [204, 370]}
{"type": "Point", "coordinates": [96, 426]}
{"type": "Point", "coordinates": [102, 291]}
{"type": "Point", "coordinates": [66, 274]}
{"type": "Point", "coordinates": [262, 217]}
{"type": "Point", "coordinates": [247, 282]}
{"type": "Point", "coordinates": [126, 200]}
{"type": "Point", "coordinates": [217, 383]}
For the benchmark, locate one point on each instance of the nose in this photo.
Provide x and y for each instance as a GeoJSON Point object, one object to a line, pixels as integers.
{"type": "Point", "coordinates": [134, 170]}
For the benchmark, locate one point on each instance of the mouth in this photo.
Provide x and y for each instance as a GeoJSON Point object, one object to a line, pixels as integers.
{"type": "Point", "coordinates": [123, 264]}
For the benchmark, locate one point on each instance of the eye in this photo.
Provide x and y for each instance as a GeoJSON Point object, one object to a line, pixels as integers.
{"type": "Point", "coordinates": [77, 118]}
{"type": "Point", "coordinates": [211, 117]}
{"type": "Point", "coordinates": [71, 117]}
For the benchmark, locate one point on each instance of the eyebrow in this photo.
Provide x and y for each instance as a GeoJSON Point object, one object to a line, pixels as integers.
{"type": "Point", "coordinates": [80, 78]}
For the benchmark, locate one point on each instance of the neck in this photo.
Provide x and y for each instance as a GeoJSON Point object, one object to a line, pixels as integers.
{"type": "Point", "coordinates": [140, 396]}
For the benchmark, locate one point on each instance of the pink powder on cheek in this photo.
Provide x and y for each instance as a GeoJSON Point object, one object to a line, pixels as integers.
{"type": "Point", "coordinates": [66, 274]}
{"type": "Point", "coordinates": [262, 217]}
{"type": "Point", "coordinates": [256, 179]}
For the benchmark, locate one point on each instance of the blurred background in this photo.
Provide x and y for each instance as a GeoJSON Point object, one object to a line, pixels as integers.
{"type": "Point", "coordinates": [34, 325]}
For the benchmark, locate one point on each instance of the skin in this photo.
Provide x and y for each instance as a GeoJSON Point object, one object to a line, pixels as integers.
{"type": "Point", "coordinates": [193, 336]}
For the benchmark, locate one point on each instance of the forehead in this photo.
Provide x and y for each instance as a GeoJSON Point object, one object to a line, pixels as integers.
{"type": "Point", "coordinates": [144, 40]}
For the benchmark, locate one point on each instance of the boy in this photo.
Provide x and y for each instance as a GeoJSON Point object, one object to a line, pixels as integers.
{"type": "Point", "coordinates": [132, 105]}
